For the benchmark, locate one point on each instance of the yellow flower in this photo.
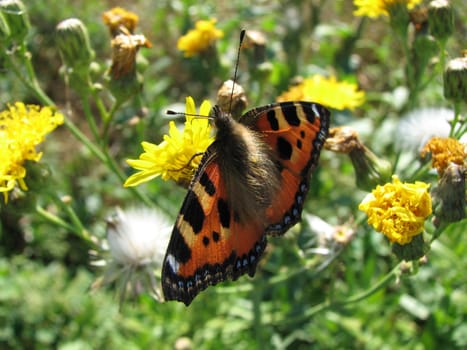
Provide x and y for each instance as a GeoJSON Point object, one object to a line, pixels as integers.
{"type": "Point", "coordinates": [326, 91]}
{"type": "Point", "coordinates": [118, 18]}
{"type": "Point", "coordinates": [199, 39]}
{"type": "Point", "coordinates": [178, 156]}
{"type": "Point", "coordinates": [22, 128]}
{"type": "Point", "coordinates": [398, 210]}
{"type": "Point", "coordinates": [376, 8]}
{"type": "Point", "coordinates": [444, 151]}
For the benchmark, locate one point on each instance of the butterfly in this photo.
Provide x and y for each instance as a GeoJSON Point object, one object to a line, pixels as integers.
{"type": "Point", "coordinates": [251, 182]}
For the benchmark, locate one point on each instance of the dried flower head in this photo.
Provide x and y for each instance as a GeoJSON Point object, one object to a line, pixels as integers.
{"type": "Point", "coordinates": [444, 151]}
{"type": "Point", "coordinates": [137, 240]}
{"type": "Point", "coordinates": [231, 98]}
{"type": "Point", "coordinates": [124, 50]}
{"type": "Point", "coordinates": [369, 169]}
{"type": "Point", "coordinates": [418, 126]}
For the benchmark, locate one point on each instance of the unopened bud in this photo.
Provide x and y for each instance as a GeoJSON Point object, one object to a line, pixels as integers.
{"type": "Point", "coordinates": [124, 81]}
{"type": "Point", "coordinates": [440, 19]}
{"type": "Point", "coordinates": [369, 169]}
{"type": "Point", "coordinates": [449, 197]}
{"type": "Point", "coordinates": [16, 17]}
{"type": "Point", "coordinates": [73, 43]}
{"type": "Point", "coordinates": [455, 80]}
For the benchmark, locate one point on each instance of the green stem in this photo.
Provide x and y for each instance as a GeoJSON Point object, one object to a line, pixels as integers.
{"type": "Point", "coordinates": [54, 219]}
{"type": "Point", "coordinates": [32, 84]}
{"type": "Point", "coordinates": [108, 122]}
{"type": "Point", "coordinates": [99, 103]}
{"type": "Point", "coordinates": [394, 273]}
{"type": "Point", "coordinates": [89, 116]}
{"type": "Point", "coordinates": [423, 170]}
{"type": "Point", "coordinates": [327, 304]}
{"type": "Point", "coordinates": [457, 112]}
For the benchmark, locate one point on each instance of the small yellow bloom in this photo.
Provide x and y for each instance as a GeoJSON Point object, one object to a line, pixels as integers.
{"type": "Point", "coordinates": [118, 18]}
{"type": "Point", "coordinates": [177, 156]}
{"type": "Point", "coordinates": [444, 151]}
{"type": "Point", "coordinates": [199, 39]}
{"type": "Point", "coordinates": [326, 91]}
{"type": "Point", "coordinates": [22, 128]}
{"type": "Point", "coordinates": [398, 210]}
{"type": "Point", "coordinates": [376, 8]}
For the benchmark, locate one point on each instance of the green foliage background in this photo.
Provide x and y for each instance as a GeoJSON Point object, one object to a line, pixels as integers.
{"type": "Point", "coordinates": [45, 275]}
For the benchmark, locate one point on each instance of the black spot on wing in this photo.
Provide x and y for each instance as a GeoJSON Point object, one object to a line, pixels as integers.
{"type": "Point", "coordinates": [224, 212]}
{"type": "Point", "coordinates": [302, 134]}
{"type": "Point", "coordinates": [178, 247]}
{"type": "Point", "coordinates": [205, 241]}
{"type": "Point", "coordinates": [206, 182]}
{"type": "Point", "coordinates": [284, 148]}
{"type": "Point", "coordinates": [299, 144]}
{"type": "Point", "coordinates": [272, 119]}
{"type": "Point", "coordinates": [215, 236]}
{"type": "Point", "coordinates": [193, 212]}
{"type": "Point", "coordinates": [290, 113]}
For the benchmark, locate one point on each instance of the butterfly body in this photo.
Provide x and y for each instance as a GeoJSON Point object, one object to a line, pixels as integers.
{"type": "Point", "coordinates": [252, 181]}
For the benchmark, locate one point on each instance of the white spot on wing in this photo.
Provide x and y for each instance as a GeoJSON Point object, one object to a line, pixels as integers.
{"type": "Point", "coordinates": [174, 264]}
{"type": "Point", "coordinates": [313, 107]}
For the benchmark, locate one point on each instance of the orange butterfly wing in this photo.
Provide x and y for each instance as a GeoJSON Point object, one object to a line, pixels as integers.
{"type": "Point", "coordinates": [296, 131]}
{"type": "Point", "coordinates": [207, 245]}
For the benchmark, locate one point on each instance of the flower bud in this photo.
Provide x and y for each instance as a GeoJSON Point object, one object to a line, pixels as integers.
{"type": "Point", "coordinates": [449, 196]}
{"type": "Point", "coordinates": [232, 98]}
{"type": "Point", "coordinates": [399, 17]}
{"type": "Point", "coordinates": [440, 19]}
{"type": "Point", "coordinates": [369, 169]}
{"type": "Point", "coordinates": [73, 44]}
{"type": "Point", "coordinates": [455, 80]}
{"type": "Point", "coordinates": [15, 15]}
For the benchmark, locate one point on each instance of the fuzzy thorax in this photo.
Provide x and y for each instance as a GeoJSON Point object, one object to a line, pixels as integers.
{"type": "Point", "coordinates": [249, 169]}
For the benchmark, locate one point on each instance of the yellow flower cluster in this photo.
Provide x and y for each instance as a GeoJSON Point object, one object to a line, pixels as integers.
{"type": "Point", "coordinates": [178, 156]}
{"type": "Point", "coordinates": [199, 39]}
{"type": "Point", "coordinates": [398, 210]}
{"type": "Point", "coordinates": [22, 128]}
{"type": "Point", "coordinates": [444, 151]}
{"type": "Point", "coordinates": [376, 8]}
{"type": "Point", "coordinates": [326, 91]}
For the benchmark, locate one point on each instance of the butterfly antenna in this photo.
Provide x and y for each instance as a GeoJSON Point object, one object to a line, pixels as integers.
{"type": "Point", "coordinates": [242, 36]}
